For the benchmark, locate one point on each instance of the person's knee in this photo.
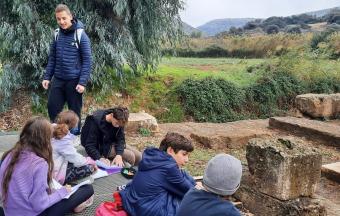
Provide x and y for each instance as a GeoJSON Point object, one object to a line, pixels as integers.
{"type": "Point", "coordinates": [88, 190]}
{"type": "Point", "coordinates": [129, 156]}
{"type": "Point", "coordinates": [138, 157]}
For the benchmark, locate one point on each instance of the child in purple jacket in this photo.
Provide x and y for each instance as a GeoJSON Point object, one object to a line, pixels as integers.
{"type": "Point", "coordinates": [26, 175]}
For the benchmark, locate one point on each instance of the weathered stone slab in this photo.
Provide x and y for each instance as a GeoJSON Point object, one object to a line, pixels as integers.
{"type": "Point", "coordinates": [326, 133]}
{"type": "Point", "coordinates": [282, 168]}
{"type": "Point", "coordinates": [319, 105]}
{"type": "Point", "coordinates": [262, 204]}
{"type": "Point", "coordinates": [220, 136]}
{"type": "Point", "coordinates": [141, 120]}
{"type": "Point", "coordinates": [331, 171]}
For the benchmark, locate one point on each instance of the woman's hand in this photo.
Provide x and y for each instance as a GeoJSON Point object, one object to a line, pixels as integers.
{"type": "Point", "coordinates": [118, 161]}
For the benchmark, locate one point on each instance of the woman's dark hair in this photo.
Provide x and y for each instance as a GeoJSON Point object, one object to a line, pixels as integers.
{"type": "Point", "coordinates": [176, 142]}
{"type": "Point", "coordinates": [36, 137]}
{"type": "Point", "coordinates": [65, 120]}
{"type": "Point", "coordinates": [121, 113]}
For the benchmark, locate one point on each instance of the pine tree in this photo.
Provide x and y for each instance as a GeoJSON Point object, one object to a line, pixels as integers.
{"type": "Point", "coordinates": [122, 32]}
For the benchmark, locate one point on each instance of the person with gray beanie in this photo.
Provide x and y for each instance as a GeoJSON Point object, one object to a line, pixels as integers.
{"type": "Point", "coordinates": [221, 179]}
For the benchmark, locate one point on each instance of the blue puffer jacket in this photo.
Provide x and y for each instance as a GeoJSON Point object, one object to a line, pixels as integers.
{"type": "Point", "coordinates": [65, 60]}
{"type": "Point", "coordinates": [158, 187]}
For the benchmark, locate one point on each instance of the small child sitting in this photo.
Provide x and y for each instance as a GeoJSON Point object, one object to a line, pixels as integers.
{"type": "Point", "coordinates": [221, 179]}
{"type": "Point", "coordinates": [69, 165]}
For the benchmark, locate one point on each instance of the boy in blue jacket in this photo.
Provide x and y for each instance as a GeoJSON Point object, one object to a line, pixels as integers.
{"type": "Point", "coordinates": [69, 65]}
{"type": "Point", "coordinates": [160, 184]}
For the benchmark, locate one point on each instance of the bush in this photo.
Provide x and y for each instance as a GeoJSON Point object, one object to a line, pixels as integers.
{"type": "Point", "coordinates": [273, 94]}
{"type": "Point", "coordinates": [217, 100]}
{"type": "Point", "coordinates": [325, 85]}
{"type": "Point", "coordinates": [211, 100]}
{"type": "Point", "coordinates": [294, 30]}
{"type": "Point", "coordinates": [320, 37]}
{"type": "Point", "coordinates": [272, 29]}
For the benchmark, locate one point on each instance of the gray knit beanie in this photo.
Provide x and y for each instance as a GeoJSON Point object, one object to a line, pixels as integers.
{"type": "Point", "coordinates": [223, 174]}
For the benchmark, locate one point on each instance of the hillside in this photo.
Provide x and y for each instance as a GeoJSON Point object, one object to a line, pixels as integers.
{"type": "Point", "coordinates": [214, 27]}
{"type": "Point", "coordinates": [219, 25]}
{"type": "Point", "coordinates": [321, 13]}
{"type": "Point", "coordinates": [188, 29]}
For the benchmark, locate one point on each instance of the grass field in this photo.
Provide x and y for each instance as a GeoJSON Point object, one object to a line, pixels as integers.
{"type": "Point", "coordinates": [234, 70]}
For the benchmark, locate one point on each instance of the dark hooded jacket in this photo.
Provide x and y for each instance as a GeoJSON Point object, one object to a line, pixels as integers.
{"type": "Point", "coordinates": [66, 61]}
{"type": "Point", "coordinates": [158, 187]}
{"type": "Point", "coordinates": [98, 136]}
{"type": "Point", "coordinates": [203, 203]}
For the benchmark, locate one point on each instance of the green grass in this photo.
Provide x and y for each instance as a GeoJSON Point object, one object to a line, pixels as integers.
{"type": "Point", "coordinates": [318, 68]}
{"type": "Point", "coordinates": [234, 70]}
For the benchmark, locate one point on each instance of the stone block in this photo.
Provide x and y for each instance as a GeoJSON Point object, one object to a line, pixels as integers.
{"type": "Point", "coordinates": [282, 168]}
{"type": "Point", "coordinates": [331, 171]}
{"type": "Point", "coordinates": [319, 105]}
{"type": "Point", "coordinates": [141, 120]}
{"type": "Point", "coordinates": [262, 204]}
{"type": "Point", "coordinates": [328, 134]}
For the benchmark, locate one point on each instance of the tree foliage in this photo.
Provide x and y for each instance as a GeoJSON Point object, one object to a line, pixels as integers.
{"type": "Point", "coordinates": [122, 32]}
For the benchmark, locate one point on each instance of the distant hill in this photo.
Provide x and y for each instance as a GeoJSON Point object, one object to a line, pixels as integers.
{"type": "Point", "coordinates": [214, 27]}
{"type": "Point", "coordinates": [219, 25]}
{"type": "Point", "coordinates": [188, 29]}
{"type": "Point", "coordinates": [321, 13]}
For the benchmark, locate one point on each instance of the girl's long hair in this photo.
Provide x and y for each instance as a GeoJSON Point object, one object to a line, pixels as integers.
{"type": "Point", "coordinates": [36, 137]}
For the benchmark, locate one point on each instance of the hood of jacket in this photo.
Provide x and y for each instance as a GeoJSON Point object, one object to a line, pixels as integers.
{"type": "Point", "coordinates": [68, 138]}
{"type": "Point", "coordinates": [154, 158]}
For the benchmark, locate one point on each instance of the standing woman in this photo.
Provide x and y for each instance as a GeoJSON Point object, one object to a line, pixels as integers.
{"type": "Point", "coordinates": [26, 175]}
{"type": "Point", "coordinates": [69, 63]}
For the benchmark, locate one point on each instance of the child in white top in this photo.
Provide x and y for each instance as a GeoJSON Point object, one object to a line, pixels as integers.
{"type": "Point", "coordinates": [69, 165]}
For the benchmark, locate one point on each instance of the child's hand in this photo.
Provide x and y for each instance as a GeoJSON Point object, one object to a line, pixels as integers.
{"type": "Point", "coordinates": [95, 168]}
{"type": "Point", "coordinates": [199, 185]}
{"type": "Point", "coordinates": [118, 160]}
{"type": "Point", "coordinates": [68, 188]}
{"type": "Point", "coordinates": [106, 161]}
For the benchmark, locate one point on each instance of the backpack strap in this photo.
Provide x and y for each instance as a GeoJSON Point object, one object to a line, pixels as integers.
{"type": "Point", "coordinates": [56, 34]}
{"type": "Point", "coordinates": [77, 37]}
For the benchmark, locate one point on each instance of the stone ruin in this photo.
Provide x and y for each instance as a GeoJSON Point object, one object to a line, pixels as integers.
{"type": "Point", "coordinates": [141, 120]}
{"type": "Point", "coordinates": [281, 179]}
{"type": "Point", "coordinates": [324, 106]}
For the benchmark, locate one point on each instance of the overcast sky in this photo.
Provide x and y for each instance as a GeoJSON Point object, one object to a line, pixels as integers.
{"type": "Point", "coordinates": [199, 12]}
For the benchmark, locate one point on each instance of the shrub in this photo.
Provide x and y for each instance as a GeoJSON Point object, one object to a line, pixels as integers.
{"type": "Point", "coordinates": [213, 100]}
{"type": "Point", "coordinates": [326, 85]}
{"type": "Point", "coordinates": [320, 37]}
{"type": "Point", "coordinates": [294, 30]}
{"type": "Point", "coordinates": [273, 93]}
{"type": "Point", "coordinates": [272, 29]}
{"type": "Point", "coordinates": [145, 132]}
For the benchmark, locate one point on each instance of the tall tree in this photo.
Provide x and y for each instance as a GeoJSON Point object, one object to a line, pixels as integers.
{"type": "Point", "coordinates": [122, 32]}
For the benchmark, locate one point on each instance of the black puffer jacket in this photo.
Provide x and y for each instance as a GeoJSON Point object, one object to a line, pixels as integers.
{"type": "Point", "coordinates": [98, 136]}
